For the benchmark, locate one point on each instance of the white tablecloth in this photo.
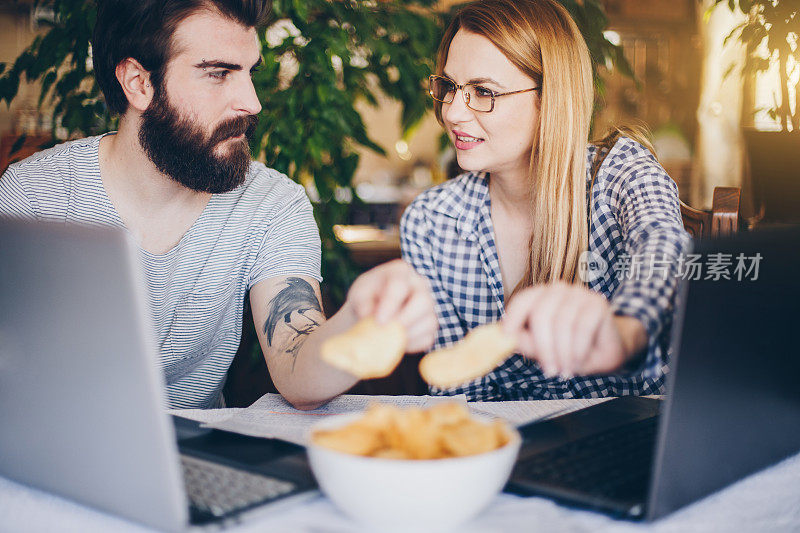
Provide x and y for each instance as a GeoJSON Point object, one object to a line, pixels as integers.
{"type": "Point", "coordinates": [766, 501]}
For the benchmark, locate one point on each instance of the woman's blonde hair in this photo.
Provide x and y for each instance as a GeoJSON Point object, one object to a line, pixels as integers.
{"type": "Point", "coordinates": [540, 38]}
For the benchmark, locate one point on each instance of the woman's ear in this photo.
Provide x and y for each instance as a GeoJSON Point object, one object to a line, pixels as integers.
{"type": "Point", "coordinates": [135, 82]}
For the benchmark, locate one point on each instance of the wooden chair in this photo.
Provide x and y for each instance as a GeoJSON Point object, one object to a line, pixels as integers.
{"type": "Point", "coordinates": [723, 219]}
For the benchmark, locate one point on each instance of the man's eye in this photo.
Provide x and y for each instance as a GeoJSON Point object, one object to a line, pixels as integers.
{"type": "Point", "coordinates": [219, 74]}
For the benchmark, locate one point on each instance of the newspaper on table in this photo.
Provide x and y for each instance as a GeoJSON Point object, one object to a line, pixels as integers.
{"type": "Point", "coordinates": [525, 411]}
{"type": "Point", "coordinates": [273, 417]}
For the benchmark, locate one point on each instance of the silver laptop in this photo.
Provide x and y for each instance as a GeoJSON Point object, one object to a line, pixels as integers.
{"type": "Point", "coordinates": [82, 398]}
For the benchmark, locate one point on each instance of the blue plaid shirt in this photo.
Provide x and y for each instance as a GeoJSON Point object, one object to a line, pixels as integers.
{"type": "Point", "coordinates": [448, 237]}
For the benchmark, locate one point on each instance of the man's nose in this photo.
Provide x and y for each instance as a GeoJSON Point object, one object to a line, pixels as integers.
{"type": "Point", "coordinates": [246, 99]}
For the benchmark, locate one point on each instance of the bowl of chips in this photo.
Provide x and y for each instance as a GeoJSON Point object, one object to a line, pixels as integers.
{"type": "Point", "coordinates": [394, 469]}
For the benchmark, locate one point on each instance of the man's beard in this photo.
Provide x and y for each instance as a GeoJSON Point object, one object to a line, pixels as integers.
{"type": "Point", "coordinates": [180, 149]}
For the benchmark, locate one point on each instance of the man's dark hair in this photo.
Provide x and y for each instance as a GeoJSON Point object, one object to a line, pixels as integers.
{"type": "Point", "coordinates": [143, 29]}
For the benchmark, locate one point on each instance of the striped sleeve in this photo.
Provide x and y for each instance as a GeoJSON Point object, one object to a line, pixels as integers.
{"type": "Point", "coordinates": [291, 243]}
{"type": "Point", "coordinates": [14, 202]}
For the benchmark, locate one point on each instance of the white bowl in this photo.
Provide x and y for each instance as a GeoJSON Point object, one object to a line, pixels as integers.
{"type": "Point", "coordinates": [410, 495]}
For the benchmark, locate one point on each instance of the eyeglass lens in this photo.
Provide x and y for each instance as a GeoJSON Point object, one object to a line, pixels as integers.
{"type": "Point", "coordinates": [478, 98]}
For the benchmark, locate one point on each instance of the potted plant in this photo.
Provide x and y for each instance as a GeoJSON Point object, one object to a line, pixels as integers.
{"type": "Point", "coordinates": [770, 35]}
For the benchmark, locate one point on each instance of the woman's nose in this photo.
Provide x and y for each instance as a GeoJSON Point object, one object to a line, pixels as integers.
{"type": "Point", "coordinates": [457, 110]}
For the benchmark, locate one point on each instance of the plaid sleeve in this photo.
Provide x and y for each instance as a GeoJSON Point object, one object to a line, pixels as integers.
{"type": "Point", "coordinates": [416, 248]}
{"type": "Point", "coordinates": [648, 212]}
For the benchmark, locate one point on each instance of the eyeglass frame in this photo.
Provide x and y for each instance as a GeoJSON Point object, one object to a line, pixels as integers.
{"type": "Point", "coordinates": [464, 94]}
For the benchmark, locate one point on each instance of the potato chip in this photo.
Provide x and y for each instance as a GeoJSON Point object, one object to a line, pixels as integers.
{"type": "Point", "coordinates": [480, 351]}
{"type": "Point", "coordinates": [442, 431]}
{"type": "Point", "coordinates": [379, 415]}
{"type": "Point", "coordinates": [367, 350]}
{"type": "Point", "coordinates": [391, 453]}
{"type": "Point", "coordinates": [415, 434]}
{"type": "Point", "coordinates": [469, 438]}
{"type": "Point", "coordinates": [358, 439]}
{"type": "Point", "coordinates": [445, 413]}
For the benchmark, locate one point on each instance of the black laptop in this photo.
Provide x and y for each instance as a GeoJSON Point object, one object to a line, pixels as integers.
{"type": "Point", "coordinates": [732, 400]}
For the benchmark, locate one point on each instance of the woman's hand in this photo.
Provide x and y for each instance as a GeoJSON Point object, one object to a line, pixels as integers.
{"type": "Point", "coordinates": [394, 291]}
{"type": "Point", "coordinates": [570, 330]}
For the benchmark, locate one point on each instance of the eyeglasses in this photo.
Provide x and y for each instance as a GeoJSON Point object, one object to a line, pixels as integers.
{"type": "Point", "coordinates": [477, 98]}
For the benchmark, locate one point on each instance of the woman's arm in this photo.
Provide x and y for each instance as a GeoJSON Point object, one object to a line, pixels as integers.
{"type": "Point", "coordinates": [648, 212]}
{"type": "Point", "coordinates": [571, 330]}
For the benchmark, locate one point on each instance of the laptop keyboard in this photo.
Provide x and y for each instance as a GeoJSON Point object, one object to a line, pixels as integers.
{"type": "Point", "coordinates": [614, 464]}
{"type": "Point", "coordinates": [219, 490]}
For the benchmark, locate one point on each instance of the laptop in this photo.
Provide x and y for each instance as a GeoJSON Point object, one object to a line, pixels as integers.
{"type": "Point", "coordinates": [772, 158]}
{"type": "Point", "coordinates": [732, 402]}
{"type": "Point", "coordinates": [82, 399]}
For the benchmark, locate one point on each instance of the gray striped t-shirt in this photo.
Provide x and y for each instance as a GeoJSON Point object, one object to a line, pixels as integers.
{"type": "Point", "coordinates": [196, 291]}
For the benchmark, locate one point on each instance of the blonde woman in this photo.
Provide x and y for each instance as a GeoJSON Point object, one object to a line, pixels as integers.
{"type": "Point", "coordinates": [531, 233]}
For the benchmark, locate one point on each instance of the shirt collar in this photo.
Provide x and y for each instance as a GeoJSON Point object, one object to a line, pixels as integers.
{"type": "Point", "coordinates": [465, 201]}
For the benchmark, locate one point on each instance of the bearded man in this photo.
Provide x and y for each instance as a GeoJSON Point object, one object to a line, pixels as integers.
{"type": "Point", "coordinates": [212, 226]}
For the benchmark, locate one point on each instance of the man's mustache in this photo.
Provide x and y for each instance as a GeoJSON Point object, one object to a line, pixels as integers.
{"type": "Point", "coordinates": [234, 127]}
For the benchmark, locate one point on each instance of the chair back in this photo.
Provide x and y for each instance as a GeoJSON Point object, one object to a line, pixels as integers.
{"type": "Point", "coordinates": [723, 219]}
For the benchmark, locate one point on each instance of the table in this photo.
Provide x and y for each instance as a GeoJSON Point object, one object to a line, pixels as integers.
{"type": "Point", "coordinates": [766, 501]}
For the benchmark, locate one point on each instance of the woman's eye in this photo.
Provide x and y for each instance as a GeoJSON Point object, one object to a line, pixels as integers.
{"type": "Point", "coordinates": [483, 91]}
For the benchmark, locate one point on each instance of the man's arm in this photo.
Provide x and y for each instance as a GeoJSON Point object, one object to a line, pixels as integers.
{"type": "Point", "coordinates": [14, 201]}
{"type": "Point", "coordinates": [291, 326]}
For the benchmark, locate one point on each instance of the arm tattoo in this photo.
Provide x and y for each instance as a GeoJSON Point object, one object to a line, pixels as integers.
{"type": "Point", "coordinates": [293, 306]}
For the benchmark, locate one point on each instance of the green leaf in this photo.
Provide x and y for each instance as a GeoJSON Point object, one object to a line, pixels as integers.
{"type": "Point", "coordinates": [728, 70]}
{"type": "Point", "coordinates": [47, 82]}
{"type": "Point", "coordinates": [9, 85]}
{"type": "Point", "coordinates": [18, 144]}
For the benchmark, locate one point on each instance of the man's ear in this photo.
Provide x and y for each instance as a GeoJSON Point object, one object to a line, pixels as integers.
{"type": "Point", "coordinates": [135, 82]}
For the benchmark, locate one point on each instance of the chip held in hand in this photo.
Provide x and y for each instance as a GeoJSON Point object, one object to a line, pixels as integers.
{"type": "Point", "coordinates": [477, 354]}
{"type": "Point", "coordinates": [368, 349]}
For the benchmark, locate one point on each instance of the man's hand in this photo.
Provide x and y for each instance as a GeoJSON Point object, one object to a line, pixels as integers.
{"type": "Point", "coordinates": [570, 330]}
{"type": "Point", "coordinates": [394, 291]}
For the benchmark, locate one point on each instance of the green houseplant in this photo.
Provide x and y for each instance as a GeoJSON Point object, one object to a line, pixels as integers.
{"type": "Point", "coordinates": [769, 34]}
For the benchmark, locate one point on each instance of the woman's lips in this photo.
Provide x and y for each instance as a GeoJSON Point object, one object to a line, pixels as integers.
{"type": "Point", "coordinates": [464, 141]}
